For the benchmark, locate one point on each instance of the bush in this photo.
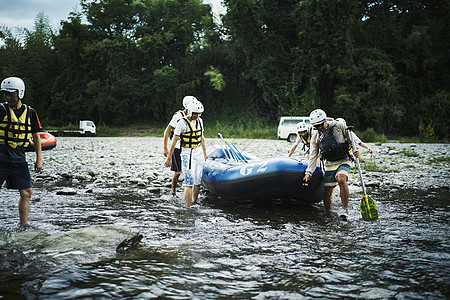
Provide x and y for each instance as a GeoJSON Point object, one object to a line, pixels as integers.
{"type": "Point", "coordinates": [370, 136]}
{"type": "Point", "coordinates": [105, 130]}
{"type": "Point", "coordinates": [249, 129]}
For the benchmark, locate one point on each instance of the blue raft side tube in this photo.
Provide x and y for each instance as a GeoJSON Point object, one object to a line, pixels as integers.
{"type": "Point", "coordinates": [275, 178]}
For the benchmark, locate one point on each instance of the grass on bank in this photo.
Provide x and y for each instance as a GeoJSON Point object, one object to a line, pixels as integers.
{"type": "Point", "coordinates": [241, 129]}
{"type": "Point", "coordinates": [248, 129]}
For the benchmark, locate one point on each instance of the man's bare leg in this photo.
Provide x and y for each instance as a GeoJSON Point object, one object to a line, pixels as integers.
{"type": "Point", "coordinates": [24, 205]}
{"type": "Point", "coordinates": [188, 196]}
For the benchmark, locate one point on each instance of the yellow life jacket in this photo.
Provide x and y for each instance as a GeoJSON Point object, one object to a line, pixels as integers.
{"type": "Point", "coordinates": [306, 140]}
{"type": "Point", "coordinates": [15, 132]}
{"type": "Point", "coordinates": [193, 136]}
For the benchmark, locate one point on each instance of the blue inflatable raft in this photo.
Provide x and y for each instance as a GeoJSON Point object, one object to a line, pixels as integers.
{"type": "Point", "coordinates": [234, 175]}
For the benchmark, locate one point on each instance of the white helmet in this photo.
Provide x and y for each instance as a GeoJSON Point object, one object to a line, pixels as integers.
{"type": "Point", "coordinates": [12, 84]}
{"type": "Point", "coordinates": [302, 127]}
{"type": "Point", "coordinates": [341, 120]}
{"type": "Point", "coordinates": [317, 116]}
{"type": "Point", "coordinates": [187, 100]}
{"type": "Point", "coordinates": [195, 107]}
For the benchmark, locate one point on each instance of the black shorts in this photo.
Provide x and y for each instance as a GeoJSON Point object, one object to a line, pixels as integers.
{"type": "Point", "coordinates": [176, 160]}
{"type": "Point", "coordinates": [17, 176]}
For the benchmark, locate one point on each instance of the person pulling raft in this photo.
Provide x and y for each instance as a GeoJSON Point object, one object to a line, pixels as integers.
{"type": "Point", "coordinates": [333, 140]}
{"type": "Point", "coordinates": [304, 134]}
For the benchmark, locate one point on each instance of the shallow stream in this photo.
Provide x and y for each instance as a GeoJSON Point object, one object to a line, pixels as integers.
{"type": "Point", "coordinates": [218, 249]}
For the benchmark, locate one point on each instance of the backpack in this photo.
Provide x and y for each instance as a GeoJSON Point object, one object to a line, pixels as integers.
{"type": "Point", "coordinates": [331, 149]}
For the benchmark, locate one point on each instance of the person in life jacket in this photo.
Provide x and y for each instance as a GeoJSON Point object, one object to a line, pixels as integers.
{"type": "Point", "coordinates": [189, 131]}
{"type": "Point", "coordinates": [304, 133]}
{"type": "Point", "coordinates": [18, 123]}
{"type": "Point", "coordinates": [332, 140]}
{"type": "Point", "coordinates": [168, 134]}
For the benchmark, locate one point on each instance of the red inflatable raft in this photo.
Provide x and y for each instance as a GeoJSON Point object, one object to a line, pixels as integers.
{"type": "Point", "coordinates": [48, 142]}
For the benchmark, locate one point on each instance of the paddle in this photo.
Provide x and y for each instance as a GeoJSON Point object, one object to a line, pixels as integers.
{"type": "Point", "coordinates": [235, 153]}
{"type": "Point", "coordinates": [368, 208]}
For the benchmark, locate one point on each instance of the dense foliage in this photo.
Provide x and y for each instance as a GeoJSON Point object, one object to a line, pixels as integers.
{"type": "Point", "coordinates": [378, 64]}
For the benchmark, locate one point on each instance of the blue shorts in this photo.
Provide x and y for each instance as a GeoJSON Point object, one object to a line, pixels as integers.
{"type": "Point", "coordinates": [17, 176]}
{"type": "Point", "coordinates": [332, 172]}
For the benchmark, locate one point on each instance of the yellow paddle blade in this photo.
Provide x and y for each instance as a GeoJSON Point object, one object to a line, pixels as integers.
{"type": "Point", "coordinates": [368, 208]}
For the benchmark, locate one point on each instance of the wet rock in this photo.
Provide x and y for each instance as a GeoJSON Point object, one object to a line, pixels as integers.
{"type": "Point", "coordinates": [373, 183]}
{"type": "Point", "coordinates": [67, 191]}
{"type": "Point", "coordinates": [85, 245]}
{"type": "Point", "coordinates": [129, 243]}
{"type": "Point", "coordinates": [141, 184]}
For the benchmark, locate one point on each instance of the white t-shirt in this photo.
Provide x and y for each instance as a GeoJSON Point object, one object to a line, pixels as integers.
{"type": "Point", "coordinates": [356, 139]}
{"type": "Point", "coordinates": [174, 121]}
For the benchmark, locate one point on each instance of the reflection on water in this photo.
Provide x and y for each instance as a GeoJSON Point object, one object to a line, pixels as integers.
{"type": "Point", "coordinates": [222, 249]}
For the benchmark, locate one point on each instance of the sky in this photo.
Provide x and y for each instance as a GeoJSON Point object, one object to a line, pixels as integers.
{"type": "Point", "coordinates": [22, 13]}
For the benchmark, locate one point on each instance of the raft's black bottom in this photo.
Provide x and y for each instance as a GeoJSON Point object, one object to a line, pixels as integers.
{"type": "Point", "coordinates": [274, 185]}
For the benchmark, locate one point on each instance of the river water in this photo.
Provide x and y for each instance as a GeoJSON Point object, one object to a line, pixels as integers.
{"type": "Point", "coordinates": [219, 249]}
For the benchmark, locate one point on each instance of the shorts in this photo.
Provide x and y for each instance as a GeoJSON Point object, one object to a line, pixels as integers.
{"type": "Point", "coordinates": [176, 160]}
{"type": "Point", "coordinates": [192, 164]}
{"type": "Point", "coordinates": [332, 172]}
{"type": "Point", "coordinates": [17, 176]}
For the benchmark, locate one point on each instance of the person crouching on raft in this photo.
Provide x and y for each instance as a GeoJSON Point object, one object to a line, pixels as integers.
{"type": "Point", "coordinates": [190, 132]}
{"type": "Point", "coordinates": [332, 139]}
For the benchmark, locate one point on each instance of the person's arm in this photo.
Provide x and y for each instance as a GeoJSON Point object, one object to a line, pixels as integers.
{"type": "Point", "coordinates": [314, 149]}
{"type": "Point", "coordinates": [203, 143]}
{"type": "Point", "coordinates": [292, 150]}
{"type": "Point", "coordinates": [365, 146]}
{"type": "Point", "coordinates": [38, 148]}
{"type": "Point", "coordinates": [36, 127]}
{"type": "Point", "coordinates": [168, 162]}
{"type": "Point", "coordinates": [166, 138]}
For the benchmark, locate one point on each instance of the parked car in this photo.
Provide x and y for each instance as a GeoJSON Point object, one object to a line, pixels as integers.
{"type": "Point", "coordinates": [287, 128]}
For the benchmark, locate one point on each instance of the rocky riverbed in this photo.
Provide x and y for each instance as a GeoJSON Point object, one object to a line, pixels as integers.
{"type": "Point", "coordinates": [92, 188]}
{"type": "Point", "coordinates": [90, 165]}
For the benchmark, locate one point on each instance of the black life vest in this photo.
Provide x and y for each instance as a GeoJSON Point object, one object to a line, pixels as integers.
{"type": "Point", "coordinates": [171, 133]}
{"type": "Point", "coordinates": [193, 136]}
{"type": "Point", "coordinates": [331, 149]}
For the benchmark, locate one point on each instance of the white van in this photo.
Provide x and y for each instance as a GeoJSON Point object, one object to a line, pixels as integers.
{"type": "Point", "coordinates": [287, 128]}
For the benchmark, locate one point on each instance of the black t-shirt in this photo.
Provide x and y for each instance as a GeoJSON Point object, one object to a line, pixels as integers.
{"type": "Point", "coordinates": [8, 154]}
